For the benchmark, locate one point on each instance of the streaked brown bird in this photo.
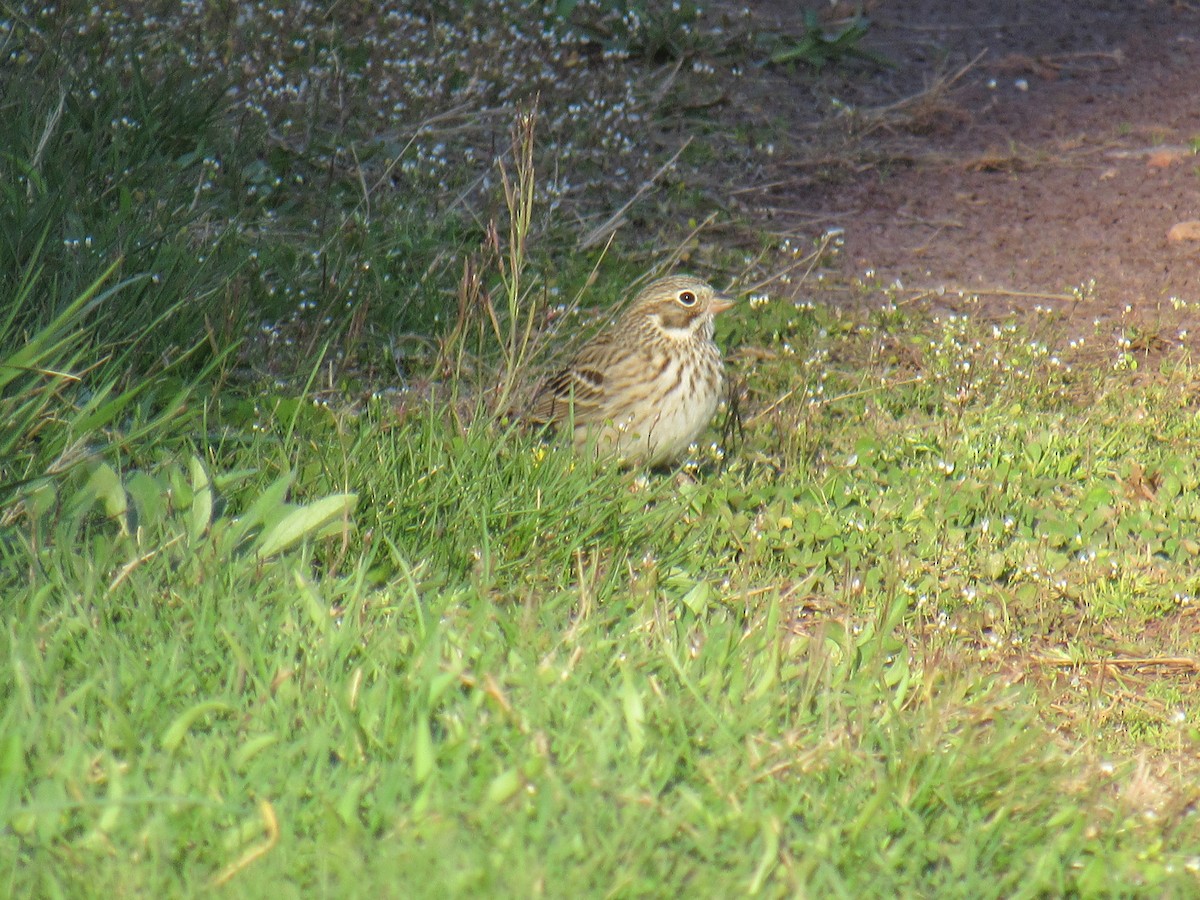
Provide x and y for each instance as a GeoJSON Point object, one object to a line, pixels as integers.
{"type": "Point", "coordinates": [645, 387]}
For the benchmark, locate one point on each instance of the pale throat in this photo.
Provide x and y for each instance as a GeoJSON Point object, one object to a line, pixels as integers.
{"type": "Point", "coordinates": [700, 326]}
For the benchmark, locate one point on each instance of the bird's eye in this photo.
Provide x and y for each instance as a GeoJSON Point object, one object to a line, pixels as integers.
{"type": "Point", "coordinates": [687, 298]}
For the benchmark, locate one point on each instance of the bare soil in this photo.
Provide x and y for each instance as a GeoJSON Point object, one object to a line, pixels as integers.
{"type": "Point", "coordinates": [1063, 154]}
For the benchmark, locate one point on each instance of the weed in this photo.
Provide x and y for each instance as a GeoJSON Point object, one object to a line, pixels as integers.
{"type": "Point", "coordinates": [818, 47]}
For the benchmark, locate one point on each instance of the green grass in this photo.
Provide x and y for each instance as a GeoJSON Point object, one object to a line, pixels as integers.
{"type": "Point", "coordinates": [511, 671]}
{"type": "Point", "coordinates": [272, 627]}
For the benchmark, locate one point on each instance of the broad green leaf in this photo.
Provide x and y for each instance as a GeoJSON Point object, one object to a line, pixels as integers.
{"type": "Point", "coordinates": [252, 747]}
{"type": "Point", "coordinates": [423, 752]}
{"type": "Point", "coordinates": [202, 499]}
{"type": "Point", "coordinates": [265, 507]}
{"type": "Point", "coordinates": [149, 496]}
{"type": "Point", "coordinates": [635, 713]}
{"type": "Point", "coordinates": [697, 598]}
{"type": "Point", "coordinates": [303, 522]}
{"type": "Point", "coordinates": [175, 732]}
{"type": "Point", "coordinates": [105, 485]}
{"type": "Point", "coordinates": [504, 786]}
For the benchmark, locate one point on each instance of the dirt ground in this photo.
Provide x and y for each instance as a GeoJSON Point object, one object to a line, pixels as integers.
{"type": "Point", "coordinates": [1064, 153]}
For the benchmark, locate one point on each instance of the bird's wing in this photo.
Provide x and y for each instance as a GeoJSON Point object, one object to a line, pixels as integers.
{"type": "Point", "coordinates": [577, 392]}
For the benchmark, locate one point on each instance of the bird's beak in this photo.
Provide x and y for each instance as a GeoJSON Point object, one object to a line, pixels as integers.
{"type": "Point", "coordinates": [719, 303]}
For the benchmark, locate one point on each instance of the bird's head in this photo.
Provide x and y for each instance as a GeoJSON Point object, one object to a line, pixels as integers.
{"type": "Point", "coordinates": [679, 305]}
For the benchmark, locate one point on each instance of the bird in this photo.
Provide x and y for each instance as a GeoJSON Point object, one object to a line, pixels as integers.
{"type": "Point", "coordinates": [644, 388]}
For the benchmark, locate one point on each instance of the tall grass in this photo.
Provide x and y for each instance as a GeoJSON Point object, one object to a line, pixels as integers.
{"type": "Point", "coordinates": [515, 335]}
{"type": "Point", "coordinates": [95, 168]}
{"type": "Point", "coordinates": [501, 334]}
{"type": "Point", "coordinates": [112, 293]}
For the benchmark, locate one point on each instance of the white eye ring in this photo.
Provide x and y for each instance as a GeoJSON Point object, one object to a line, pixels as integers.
{"type": "Point", "coordinates": [687, 298]}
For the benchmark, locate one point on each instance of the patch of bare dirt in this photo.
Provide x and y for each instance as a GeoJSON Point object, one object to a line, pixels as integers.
{"type": "Point", "coordinates": [1064, 152]}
